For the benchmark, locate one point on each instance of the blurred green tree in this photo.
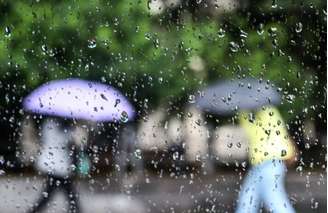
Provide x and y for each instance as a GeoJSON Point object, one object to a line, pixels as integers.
{"type": "Point", "coordinates": [163, 58]}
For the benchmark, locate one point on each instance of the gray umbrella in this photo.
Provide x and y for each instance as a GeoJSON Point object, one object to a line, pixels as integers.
{"type": "Point", "coordinates": [226, 97]}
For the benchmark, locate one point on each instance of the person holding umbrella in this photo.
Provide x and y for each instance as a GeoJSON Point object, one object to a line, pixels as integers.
{"type": "Point", "coordinates": [63, 101]}
{"type": "Point", "coordinates": [269, 147]}
{"type": "Point", "coordinates": [56, 161]}
{"type": "Point", "coordinates": [269, 143]}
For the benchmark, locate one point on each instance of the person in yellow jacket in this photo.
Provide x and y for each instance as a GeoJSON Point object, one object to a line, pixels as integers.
{"type": "Point", "coordinates": [269, 148]}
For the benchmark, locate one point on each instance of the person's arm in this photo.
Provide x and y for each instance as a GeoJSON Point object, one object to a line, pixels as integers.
{"type": "Point", "coordinates": [293, 159]}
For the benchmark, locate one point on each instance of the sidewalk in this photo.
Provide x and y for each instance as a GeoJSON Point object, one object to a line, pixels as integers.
{"type": "Point", "coordinates": [153, 194]}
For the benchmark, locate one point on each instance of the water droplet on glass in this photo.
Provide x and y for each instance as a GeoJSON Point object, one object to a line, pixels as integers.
{"type": "Point", "coordinates": [274, 4]}
{"type": "Point", "coordinates": [166, 125]}
{"type": "Point", "coordinates": [117, 101]}
{"type": "Point", "coordinates": [51, 53]}
{"type": "Point", "coordinates": [175, 155]}
{"type": "Point", "coordinates": [7, 32]}
{"type": "Point", "coordinates": [243, 34]}
{"type": "Point", "coordinates": [191, 99]}
{"type": "Point", "coordinates": [92, 43]}
{"type": "Point", "coordinates": [156, 43]}
{"type": "Point", "coordinates": [199, 1]}
{"type": "Point", "coordinates": [290, 98]}
{"type": "Point", "coordinates": [234, 47]}
{"type": "Point", "coordinates": [103, 97]}
{"type": "Point", "coordinates": [260, 29]}
{"type": "Point", "coordinates": [283, 153]}
{"type": "Point", "coordinates": [147, 180]}
{"type": "Point", "coordinates": [299, 27]}
{"type": "Point", "coordinates": [2, 172]}
{"type": "Point", "coordinates": [137, 154]}
{"type": "Point", "coordinates": [221, 33]}
{"type": "Point", "coordinates": [124, 117]}
{"type": "Point", "coordinates": [44, 48]}
{"type": "Point", "coordinates": [272, 31]}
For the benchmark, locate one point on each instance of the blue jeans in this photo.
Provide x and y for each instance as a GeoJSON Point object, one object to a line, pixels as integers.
{"type": "Point", "coordinates": [265, 183]}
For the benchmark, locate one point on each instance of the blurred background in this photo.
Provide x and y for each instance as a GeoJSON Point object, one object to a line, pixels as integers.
{"type": "Point", "coordinates": [160, 54]}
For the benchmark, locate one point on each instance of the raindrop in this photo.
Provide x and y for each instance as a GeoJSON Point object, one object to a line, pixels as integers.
{"type": "Point", "coordinates": [198, 122]}
{"type": "Point", "coordinates": [7, 32]}
{"type": "Point", "coordinates": [221, 33]}
{"type": "Point", "coordinates": [243, 34]}
{"type": "Point", "coordinates": [234, 47]}
{"type": "Point", "coordinates": [156, 43]}
{"type": "Point", "coordinates": [283, 153]}
{"type": "Point", "coordinates": [307, 146]}
{"type": "Point", "coordinates": [137, 154]}
{"type": "Point", "coordinates": [147, 180]}
{"type": "Point", "coordinates": [86, 67]}
{"type": "Point", "coordinates": [298, 75]}
{"type": "Point", "coordinates": [274, 4]}
{"type": "Point", "coordinates": [92, 43]}
{"type": "Point", "coordinates": [268, 132]}
{"type": "Point", "coordinates": [45, 194]}
{"type": "Point", "coordinates": [260, 29]}
{"type": "Point", "coordinates": [175, 155]}
{"type": "Point", "coordinates": [51, 53]}
{"type": "Point", "coordinates": [290, 98]}
{"type": "Point", "coordinates": [2, 172]}
{"type": "Point", "coordinates": [40, 103]}
{"type": "Point", "coordinates": [272, 31]}
{"type": "Point", "coordinates": [103, 97]}
{"type": "Point", "coordinates": [147, 36]}
{"type": "Point", "coordinates": [117, 101]}
{"type": "Point", "coordinates": [299, 27]}
{"type": "Point", "coordinates": [166, 124]}
{"type": "Point", "coordinates": [299, 169]}
{"type": "Point", "coordinates": [199, 1]}
{"type": "Point", "coordinates": [44, 48]}
{"type": "Point", "coordinates": [244, 164]}
{"type": "Point", "coordinates": [191, 99]}
{"type": "Point", "coordinates": [124, 117]}
{"type": "Point", "coordinates": [229, 97]}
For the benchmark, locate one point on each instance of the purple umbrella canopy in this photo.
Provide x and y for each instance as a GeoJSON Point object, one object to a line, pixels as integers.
{"type": "Point", "coordinates": [80, 99]}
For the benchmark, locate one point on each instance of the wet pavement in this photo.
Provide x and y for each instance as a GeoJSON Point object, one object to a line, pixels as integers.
{"type": "Point", "coordinates": [163, 193]}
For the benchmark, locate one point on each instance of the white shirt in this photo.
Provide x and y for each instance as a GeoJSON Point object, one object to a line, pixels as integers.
{"type": "Point", "coordinates": [55, 153]}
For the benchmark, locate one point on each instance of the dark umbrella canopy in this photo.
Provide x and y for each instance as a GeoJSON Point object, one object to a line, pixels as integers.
{"type": "Point", "coordinates": [226, 97]}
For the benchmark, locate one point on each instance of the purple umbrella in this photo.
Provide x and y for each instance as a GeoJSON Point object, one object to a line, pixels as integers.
{"type": "Point", "coordinates": [79, 99]}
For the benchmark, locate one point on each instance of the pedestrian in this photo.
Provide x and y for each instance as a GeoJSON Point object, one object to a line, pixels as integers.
{"type": "Point", "coordinates": [270, 148]}
{"type": "Point", "coordinates": [56, 161]}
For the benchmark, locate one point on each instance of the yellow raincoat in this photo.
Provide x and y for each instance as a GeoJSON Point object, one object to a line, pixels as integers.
{"type": "Point", "coordinates": [268, 136]}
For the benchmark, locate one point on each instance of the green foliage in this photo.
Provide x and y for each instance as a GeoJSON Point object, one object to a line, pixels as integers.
{"type": "Point", "coordinates": [148, 57]}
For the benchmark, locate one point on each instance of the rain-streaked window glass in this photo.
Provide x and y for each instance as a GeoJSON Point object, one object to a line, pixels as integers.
{"type": "Point", "coordinates": [177, 106]}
